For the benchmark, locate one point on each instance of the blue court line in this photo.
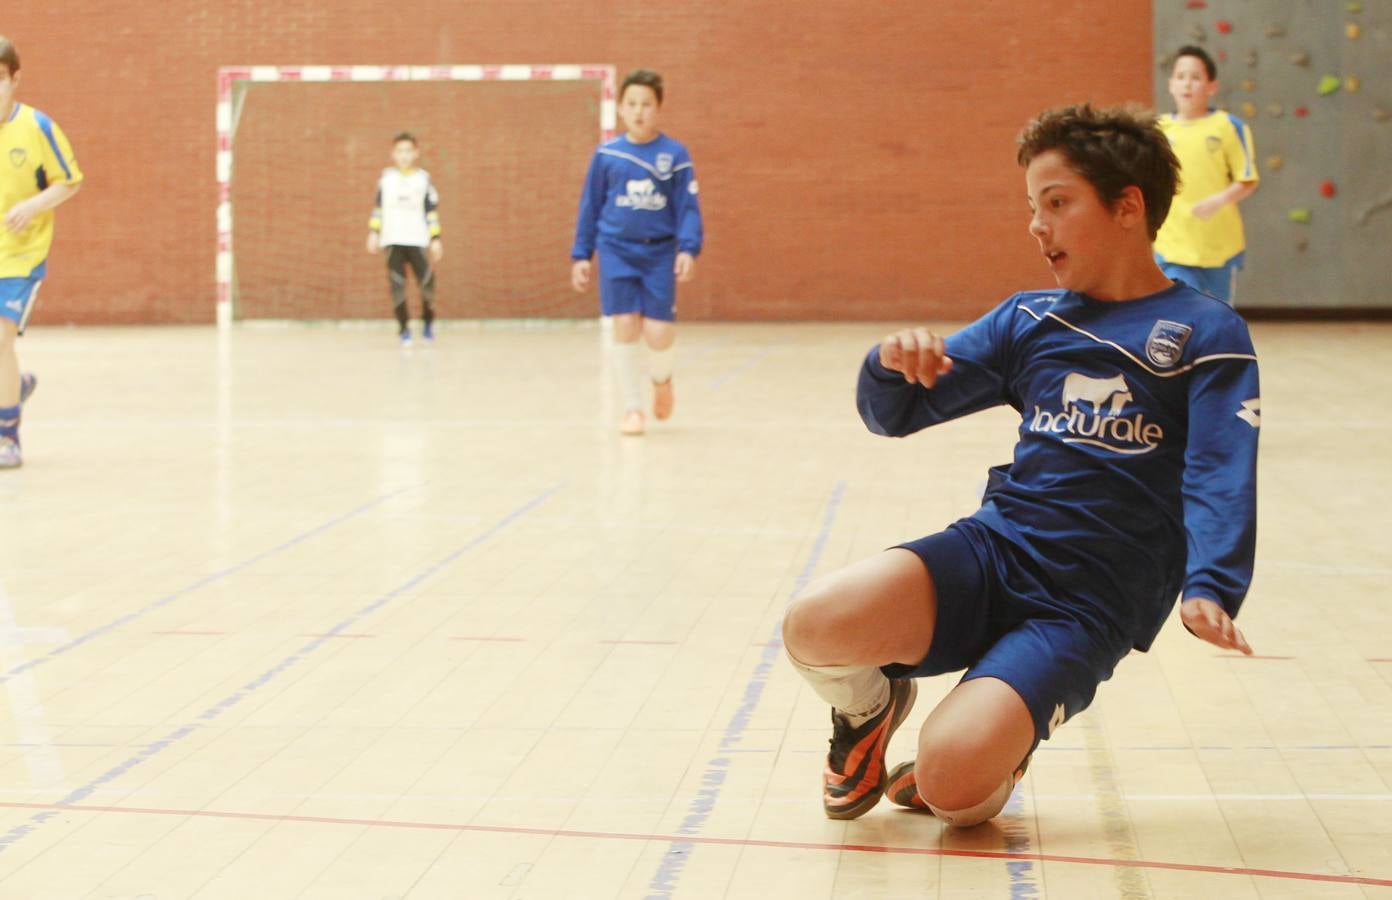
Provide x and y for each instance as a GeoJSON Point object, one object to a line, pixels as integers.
{"type": "Point", "coordinates": [188, 589]}
{"type": "Point", "coordinates": [208, 715]}
{"type": "Point", "coordinates": [664, 881]}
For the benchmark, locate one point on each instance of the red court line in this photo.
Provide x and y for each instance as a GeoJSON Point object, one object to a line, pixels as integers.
{"type": "Point", "coordinates": [728, 842]}
{"type": "Point", "coordinates": [1251, 656]}
{"type": "Point", "coordinates": [466, 637]}
{"type": "Point", "coordinates": [639, 642]}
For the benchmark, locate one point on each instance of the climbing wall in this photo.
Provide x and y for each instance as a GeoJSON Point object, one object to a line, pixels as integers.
{"type": "Point", "coordinates": [1313, 79]}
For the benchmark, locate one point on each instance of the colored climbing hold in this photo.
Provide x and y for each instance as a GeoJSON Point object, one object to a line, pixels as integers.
{"type": "Point", "coordinates": [1275, 110]}
{"type": "Point", "coordinates": [1249, 109]}
{"type": "Point", "coordinates": [1301, 112]}
{"type": "Point", "coordinates": [1302, 245]}
{"type": "Point", "coordinates": [1353, 6]}
{"type": "Point", "coordinates": [1222, 56]}
{"type": "Point", "coordinates": [1329, 84]}
{"type": "Point", "coordinates": [1327, 188]}
{"type": "Point", "coordinates": [1299, 58]}
{"type": "Point", "coordinates": [1248, 85]}
{"type": "Point", "coordinates": [1382, 114]}
{"type": "Point", "coordinates": [1351, 31]}
{"type": "Point", "coordinates": [1300, 214]}
{"type": "Point", "coordinates": [1196, 4]}
{"type": "Point", "coordinates": [1197, 33]}
{"type": "Point", "coordinates": [1251, 57]}
{"type": "Point", "coordinates": [1223, 26]}
{"type": "Point", "coordinates": [1352, 84]}
{"type": "Point", "coordinates": [1275, 31]}
{"type": "Point", "coordinates": [1274, 162]}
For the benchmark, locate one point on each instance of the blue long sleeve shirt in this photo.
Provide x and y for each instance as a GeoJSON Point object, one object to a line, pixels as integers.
{"type": "Point", "coordinates": [643, 194]}
{"type": "Point", "coordinates": [1134, 478]}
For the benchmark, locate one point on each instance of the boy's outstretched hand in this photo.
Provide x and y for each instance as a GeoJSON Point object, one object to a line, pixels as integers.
{"type": "Point", "coordinates": [1207, 620]}
{"type": "Point", "coordinates": [917, 354]}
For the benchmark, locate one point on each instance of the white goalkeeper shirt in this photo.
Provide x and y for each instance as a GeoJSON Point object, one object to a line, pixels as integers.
{"type": "Point", "coordinates": [406, 213]}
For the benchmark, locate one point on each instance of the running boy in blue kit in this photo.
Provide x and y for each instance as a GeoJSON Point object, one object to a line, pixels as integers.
{"type": "Point", "coordinates": [406, 224]}
{"type": "Point", "coordinates": [37, 172]}
{"type": "Point", "coordinates": [1133, 482]}
{"type": "Point", "coordinates": [639, 209]}
{"type": "Point", "coordinates": [1202, 242]}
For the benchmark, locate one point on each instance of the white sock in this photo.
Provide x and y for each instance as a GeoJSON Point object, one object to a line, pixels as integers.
{"type": "Point", "coordinates": [626, 372]}
{"type": "Point", "coordinates": [660, 363]}
{"type": "Point", "coordinates": [857, 692]}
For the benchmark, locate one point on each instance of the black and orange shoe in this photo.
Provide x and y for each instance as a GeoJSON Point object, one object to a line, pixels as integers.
{"type": "Point", "coordinates": [854, 779]}
{"type": "Point", "coordinates": [902, 788]}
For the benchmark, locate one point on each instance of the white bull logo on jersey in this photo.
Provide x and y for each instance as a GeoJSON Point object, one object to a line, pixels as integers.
{"type": "Point", "coordinates": [1090, 414]}
{"type": "Point", "coordinates": [1079, 387]}
{"type": "Point", "coordinates": [642, 194]}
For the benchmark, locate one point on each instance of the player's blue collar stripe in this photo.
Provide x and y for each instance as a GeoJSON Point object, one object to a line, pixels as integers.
{"type": "Point", "coordinates": [46, 126]}
{"type": "Point", "coordinates": [1241, 128]}
{"type": "Point", "coordinates": [14, 112]}
{"type": "Point", "coordinates": [630, 157]}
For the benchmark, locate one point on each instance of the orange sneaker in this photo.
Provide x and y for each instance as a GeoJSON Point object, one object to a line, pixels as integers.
{"type": "Point", "coordinates": [854, 778]}
{"type": "Point", "coordinates": [632, 424]}
{"type": "Point", "coordinates": [662, 399]}
{"type": "Point", "coordinates": [903, 787]}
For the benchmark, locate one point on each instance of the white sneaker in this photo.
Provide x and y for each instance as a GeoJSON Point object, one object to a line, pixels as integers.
{"type": "Point", "coordinates": [632, 424]}
{"type": "Point", "coordinates": [9, 454]}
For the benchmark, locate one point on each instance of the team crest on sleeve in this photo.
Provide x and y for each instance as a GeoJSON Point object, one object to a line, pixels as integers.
{"type": "Point", "coordinates": [17, 157]}
{"type": "Point", "coordinates": [664, 163]}
{"type": "Point", "coordinates": [1166, 343]}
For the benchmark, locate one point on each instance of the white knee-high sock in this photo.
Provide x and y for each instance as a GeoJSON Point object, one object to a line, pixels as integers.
{"type": "Point", "coordinates": [858, 692]}
{"type": "Point", "coordinates": [627, 372]}
{"type": "Point", "coordinates": [660, 363]}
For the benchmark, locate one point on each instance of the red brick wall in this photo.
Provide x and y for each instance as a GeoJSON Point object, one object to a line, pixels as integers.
{"type": "Point", "coordinates": [856, 159]}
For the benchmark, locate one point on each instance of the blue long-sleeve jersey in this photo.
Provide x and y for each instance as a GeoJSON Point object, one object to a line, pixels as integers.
{"type": "Point", "coordinates": [1134, 477]}
{"type": "Point", "coordinates": [641, 194]}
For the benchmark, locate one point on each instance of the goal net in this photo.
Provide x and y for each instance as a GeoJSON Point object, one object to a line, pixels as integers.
{"type": "Point", "coordinates": [300, 150]}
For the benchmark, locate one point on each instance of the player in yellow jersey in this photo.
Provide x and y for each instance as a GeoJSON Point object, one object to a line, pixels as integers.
{"type": "Point", "coordinates": [37, 172]}
{"type": "Point", "coordinates": [1202, 243]}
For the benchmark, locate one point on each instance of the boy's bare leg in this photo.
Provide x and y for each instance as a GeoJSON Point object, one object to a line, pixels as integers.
{"type": "Point", "coordinates": [9, 364]}
{"type": "Point", "coordinates": [660, 336]}
{"type": "Point", "coordinates": [969, 749]}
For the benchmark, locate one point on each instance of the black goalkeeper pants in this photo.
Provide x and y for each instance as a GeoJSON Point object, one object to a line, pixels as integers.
{"type": "Point", "coordinates": [398, 259]}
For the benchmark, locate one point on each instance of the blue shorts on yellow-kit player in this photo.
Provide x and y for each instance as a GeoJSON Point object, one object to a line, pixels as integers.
{"type": "Point", "coordinates": [1216, 281]}
{"type": "Point", "coordinates": [17, 296]}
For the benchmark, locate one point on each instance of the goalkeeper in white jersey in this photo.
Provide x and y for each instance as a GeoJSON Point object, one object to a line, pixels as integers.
{"type": "Point", "coordinates": [406, 224]}
{"type": "Point", "coordinates": [1133, 484]}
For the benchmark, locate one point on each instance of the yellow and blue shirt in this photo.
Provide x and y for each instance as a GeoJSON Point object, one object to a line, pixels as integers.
{"type": "Point", "coordinates": [34, 153]}
{"type": "Point", "coordinates": [1214, 151]}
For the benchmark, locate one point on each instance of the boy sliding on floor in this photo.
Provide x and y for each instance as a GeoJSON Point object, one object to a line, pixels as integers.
{"type": "Point", "coordinates": [1133, 482]}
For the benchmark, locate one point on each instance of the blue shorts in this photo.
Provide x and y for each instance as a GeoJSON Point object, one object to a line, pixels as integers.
{"type": "Point", "coordinates": [640, 281]}
{"type": "Point", "coordinates": [17, 297]}
{"type": "Point", "coordinates": [1220, 282]}
{"type": "Point", "coordinates": [998, 618]}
